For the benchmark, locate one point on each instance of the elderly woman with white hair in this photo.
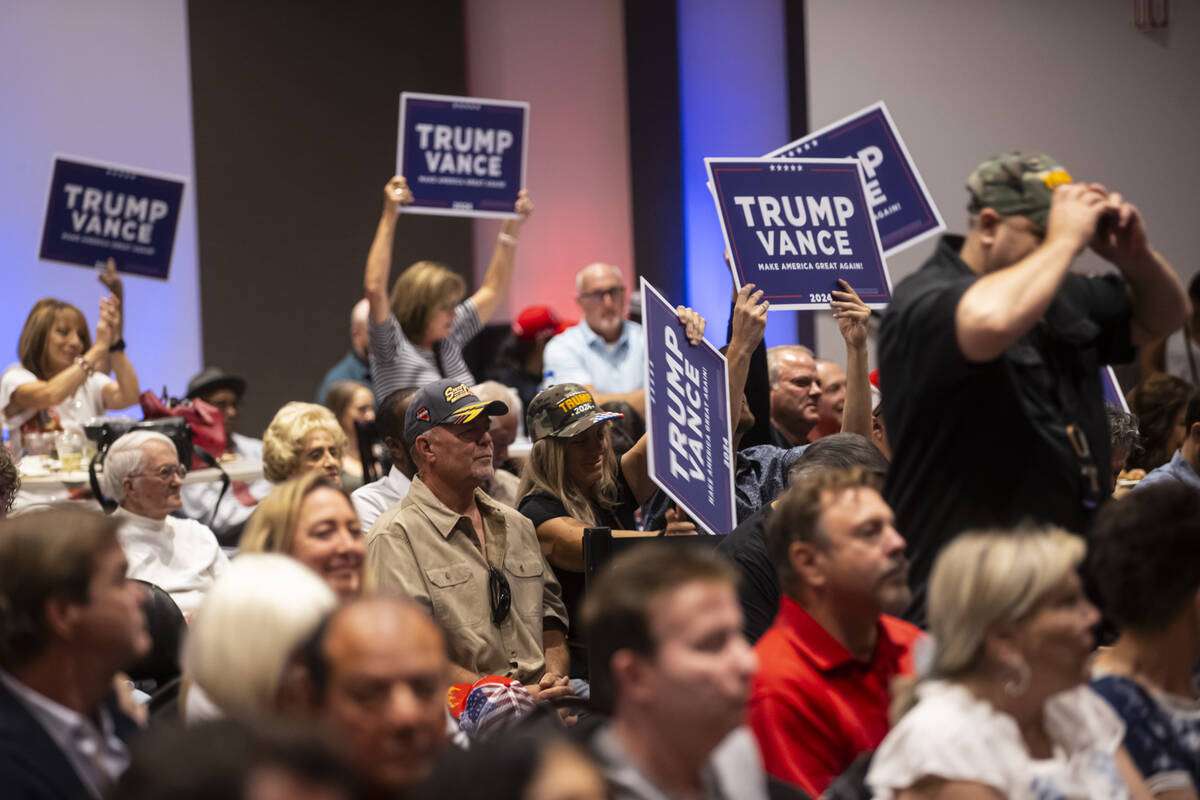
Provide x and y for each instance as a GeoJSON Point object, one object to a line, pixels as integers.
{"type": "Point", "coordinates": [244, 637]}
{"type": "Point", "coordinates": [1005, 711]}
{"type": "Point", "coordinates": [143, 474]}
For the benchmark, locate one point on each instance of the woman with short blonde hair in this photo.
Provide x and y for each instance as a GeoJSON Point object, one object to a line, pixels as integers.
{"type": "Point", "coordinates": [312, 519]}
{"type": "Point", "coordinates": [303, 437]}
{"type": "Point", "coordinates": [1005, 710]}
{"type": "Point", "coordinates": [417, 335]}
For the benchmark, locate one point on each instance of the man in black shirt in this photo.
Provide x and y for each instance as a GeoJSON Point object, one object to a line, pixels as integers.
{"type": "Point", "coordinates": [990, 357]}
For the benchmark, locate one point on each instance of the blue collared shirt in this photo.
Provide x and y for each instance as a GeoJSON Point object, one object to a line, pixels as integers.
{"type": "Point", "coordinates": [580, 355]}
{"type": "Point", "coordinates": [1177, 469]}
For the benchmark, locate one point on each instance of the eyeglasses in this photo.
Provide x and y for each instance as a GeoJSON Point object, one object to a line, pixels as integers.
{"type": "Point", "coordinates": [164, 473]}
{"type": "Point", "coordinates": [615, 293]}
{"type": "Point", "coordinates": [500, 594]}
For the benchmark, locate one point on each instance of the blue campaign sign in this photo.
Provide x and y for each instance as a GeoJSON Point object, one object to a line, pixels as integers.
{"type": "Point", "coordinates": [462, 156]}
{"type": "Point", "coordinates": [902, 206]}
{"type": "Point", "coordinates": [1113, 396]}
{"type": "Point", "coordinates": [793, 226]}
{"type": "Point", "coordinates": [687, 418]}
{"type": "Point", "coordinates": [98, 211]}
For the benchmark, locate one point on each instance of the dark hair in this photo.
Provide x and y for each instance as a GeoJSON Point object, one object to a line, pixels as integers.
{"type": "Point", "coordinates": [1145, 555]}
{"type": "Point", "coordinates": [624, 432]}
{"type": "Point", "coordinates": [42, 555]}
{"type": "Point", "coordinates": [616, 610]}
{"type": "Point", "coordinates": [512, 355]}
{"type": "Point", "coordinates": [338, 398]}
{"type": "Point", "coordinates": [389, 418]}
{"type": "Point", "coordinates": [312, 656]}
{"type": "Point", "coordinates": [214, 760]}
{"type": "Point", "coordinates": [1122, 428]}
{"type": "Point", "coordinates": [797, 515]}
{"type": "Point", "coordinates": [1194, 288]}
{"type": "Point", "coordinates": [839, 451]}
{"type": "Point", "coordinates": [10, 481]}
{"type": "Point", "coordinates": [1157, 402]}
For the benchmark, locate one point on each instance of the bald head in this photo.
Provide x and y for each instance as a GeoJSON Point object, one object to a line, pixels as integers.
{"type": "Point", "coordinates": [504, 428]}
{"type": "Point", "coordinates": [604, 299]}
{"type": "Point", "coordinates": [795, 391]}
{"type": "Point", "coordinates": [359, 330]}
{"type": "Point", "coordinates": [384, 697]}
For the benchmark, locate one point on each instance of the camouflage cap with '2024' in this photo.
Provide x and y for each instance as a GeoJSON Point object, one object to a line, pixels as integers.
{"type": "Point", "coordinates": [1016, 184]}
{"type": "Point", "coordinates": [562, 411]}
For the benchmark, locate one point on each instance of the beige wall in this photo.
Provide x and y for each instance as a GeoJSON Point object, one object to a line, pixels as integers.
{"type": "Point", "coordinates": [1074, 78]}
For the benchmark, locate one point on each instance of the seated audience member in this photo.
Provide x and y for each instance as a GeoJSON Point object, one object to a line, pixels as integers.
{"type": "Point", "coordinates": [200, 500]}
{"type": "Point", "coordinates": [795, 393]}
{"type": "Point", "coordinates": [475, 563]}
{"type": "Point", "coordinates": [1160, 403]}
{"type": "Point", "coordinates": [503, 485]}
{"type": "Point", "coordinates": [61, 379]}
{"type": "Point", "coordinates": [1005, 711]}
{"type": "Point", "coordinates": [251, 624]}
{"type": "Point", "coordinates": [605, 351]}
{"type": "Point", "coordinates": [376, 497]}
{"type": "Point", "coordinates": [10, 482]}
{"type": "Point", "coordinates": [311, 519]}
{"type": "Point", "coordinates": [1123, 439]}
{"type": "Point", "coordinates": [375, 676]}
{"type": "Point", "coordinates": [523, 764]}
{"type": "Point", "coordinates": [351, 402]}
{"type": "Point", "coordinates": [232, 760]}
{"type": "Point", "coordinates": [303, 437]}
{"type": "Point", "coordinates": [746, 545]}
{"type": "Point", "coordinates": [1146, 562]}
{"type": "Point", "coordinates": [418, 335]}
{"type": "Point", "coordinates": [1184, 464]}
{"type": "Point", "coordinates": [664, 633]}
{"type": "Point", "coordinates": [142, 472]}
{"type": "Point", "coordinates": [573, 481]}
{"type": "Point", "coordinates": [519, 362]}
{"type": "Point", "coordinates": [355, 365]}
{"type": "Point", "coordinates": [70, 621]}
{"type": "Point", "coordinates": [832, 401]}
{"type": "Point", "coordinates": [822, 692]}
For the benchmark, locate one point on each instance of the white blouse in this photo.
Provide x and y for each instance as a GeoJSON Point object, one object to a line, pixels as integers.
{"type": "Point", "coordinates": [953, 735]}
{"type": "Point", "coordinates": [180, 556]}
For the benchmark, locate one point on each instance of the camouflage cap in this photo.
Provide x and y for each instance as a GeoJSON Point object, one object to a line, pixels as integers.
{"type": "Point", "coordinates": [1016, 184]}
{"type": "Point", "coordinates": [562, 411]}
{"type": "Point", "coordinates": [445, 402]}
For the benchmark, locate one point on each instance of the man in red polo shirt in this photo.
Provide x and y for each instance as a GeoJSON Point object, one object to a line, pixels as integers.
{"type": "Point", "coordinates": [821, 695]}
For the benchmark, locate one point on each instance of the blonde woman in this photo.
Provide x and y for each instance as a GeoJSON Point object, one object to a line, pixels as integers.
{"type": "Point", "coordinates": [311, 519]}
{"type": "Point", "coordinates": [417, 335]}
{"type": "Point", "coordinates": [303, 437]}
{"type": "Point", "coordinates": [241, 641]}
{"type": "Point", "coordinates": [1005, 712]}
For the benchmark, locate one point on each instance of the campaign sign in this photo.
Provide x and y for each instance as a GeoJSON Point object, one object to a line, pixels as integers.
{"type": "Point", "coordinates": [793, 226]}
{"type": "Point", "coordinates": [903, 207]}
{"type": "Point", "coordinates": [687, 418]}
{"type": "Point", "coordinates": [462, 156]}
{"type": "Point", "coordinates": [98, 211]}
{"type": "Point", "coordinates": [1113, 396]}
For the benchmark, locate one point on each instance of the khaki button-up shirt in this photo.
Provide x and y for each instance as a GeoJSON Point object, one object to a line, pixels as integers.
{"type": "Point", "coordinates": [423, 550]}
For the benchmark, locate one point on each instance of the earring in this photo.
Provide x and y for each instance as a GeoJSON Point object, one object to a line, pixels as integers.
{"type": "Point", "coordinates": [1017, 684]}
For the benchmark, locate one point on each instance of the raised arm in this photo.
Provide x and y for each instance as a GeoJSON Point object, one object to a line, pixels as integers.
{"type": "Point", "coordinates": [41, 394]}
{"type": "Point", "coordinates": [1160, 304]}
{"type": "Point", "coordinates": [747, 326]}
{"type": "Point", "coordinates": [124, 391]}
{"type": "Point", "coordinates": [500, 270]}
{"type": "Point", "coordinates": [852, 316]}
{"type": "Point", "coordinates": [1002, 306]}
{"type": "Point", "coordinates": [379, 258]}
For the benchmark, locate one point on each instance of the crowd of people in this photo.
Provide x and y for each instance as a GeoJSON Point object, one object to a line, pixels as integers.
{"type": "Point", "coordinates": [458, 583]}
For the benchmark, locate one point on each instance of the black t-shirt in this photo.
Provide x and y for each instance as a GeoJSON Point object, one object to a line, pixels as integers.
{"type": "Point", "coordinates": [986, 445]}
{"type": "Point", "coordinates": [540, 507]}
{"type": "Point", "coordinates": [758, 587]}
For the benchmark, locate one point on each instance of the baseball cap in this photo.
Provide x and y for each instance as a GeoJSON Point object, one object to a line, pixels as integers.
{"type": "Point", "coordinates": [564, 410]}
{"type": "Point", "coordinates": [210, 379]}
{"type": "Point", "coordinates": [445, 402]}
{"type": "Point", "coordinates": [1016, 184]}
{"type": "Point", "coordinates": [536, 321]}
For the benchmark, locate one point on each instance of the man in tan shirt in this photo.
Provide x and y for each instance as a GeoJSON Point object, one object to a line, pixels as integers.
{"type": "Point", "coordinates": [474, 562]}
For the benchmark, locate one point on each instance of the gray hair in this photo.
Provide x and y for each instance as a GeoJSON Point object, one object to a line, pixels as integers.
{"type": "Point", "coordinates": [495, 390]}
{"type": "Point", "coordinates": [1122, 428]}
{"type": "Point", "coordinates": [774, 354]}
{"type": "Point", "coordinates": [125, 458]}
{"type": "Point", "coordinates": [610, 267]}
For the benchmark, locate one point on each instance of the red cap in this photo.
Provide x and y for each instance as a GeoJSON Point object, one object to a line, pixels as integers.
{"type": "Point", "coordinates": [537, 321]}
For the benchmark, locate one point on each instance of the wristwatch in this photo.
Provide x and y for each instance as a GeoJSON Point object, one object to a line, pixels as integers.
{"type": "Point", "coordinates": [117, 347]}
